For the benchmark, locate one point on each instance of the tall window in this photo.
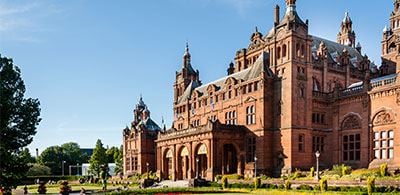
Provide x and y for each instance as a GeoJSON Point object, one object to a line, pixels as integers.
{"type": "Point", "coordinates": [251, 149]}
{"type": "Point", "coordinates": [318, 143]}
{"type": "Point", "coordinates": [383, 144]}
{"type": "Point", "coordinates": [250, 115]}
{"type": "Point", "coordinates": [134, 163]}
{"type": "Point", "coordinates": [301, 143]}
{"type": "Point", "coordinates": [351, 147]}
{"type": "Point", "coordinates": [230, 118]}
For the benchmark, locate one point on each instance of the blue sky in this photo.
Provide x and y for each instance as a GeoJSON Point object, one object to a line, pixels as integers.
{"type": "Point", "coordinates": [88, 61]}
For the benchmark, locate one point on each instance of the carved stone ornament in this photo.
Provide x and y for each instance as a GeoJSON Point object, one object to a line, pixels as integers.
{"type": "Point", "coordinates": [398, 97]}
{"type": "Point", "coordinates": [351, 122]}
{"type": "Point", "coordinates": [383, 118]}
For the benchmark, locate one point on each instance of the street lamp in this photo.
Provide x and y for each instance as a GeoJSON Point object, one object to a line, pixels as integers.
{"type": "Point", "coordinates": [77, 168]}
{"type": "Point", "coordinates": [255, 166]}
{"type": "Point", "coordinates": [197, 167]}
{"type": "Point", "coordinates": [317, 154]}
{"type": "Point", "coordinates": [147, 169]}
{"type": "Point", "coordinates": [62, 167]}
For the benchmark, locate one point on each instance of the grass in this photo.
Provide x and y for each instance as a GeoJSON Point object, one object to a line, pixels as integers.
{"type": "Point", "coordinates": [55, 189]}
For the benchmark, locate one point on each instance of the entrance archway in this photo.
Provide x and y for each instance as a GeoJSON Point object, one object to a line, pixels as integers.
{"type": "Point", "coordinates": [201, 161]}
{"type": "Point", "coordinates": [168, 167]}
{"type": "Point", "coordinates": [230, 161]}
{"type": "Point", "coordinates": [183, 164]}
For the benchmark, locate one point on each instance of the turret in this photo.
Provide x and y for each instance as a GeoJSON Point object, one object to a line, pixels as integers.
{"type": "Point", "coordinates": [346, 36]}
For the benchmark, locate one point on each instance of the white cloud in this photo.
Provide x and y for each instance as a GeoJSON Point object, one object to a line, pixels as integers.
{"type": "Point", "coordinates": [21, 21]}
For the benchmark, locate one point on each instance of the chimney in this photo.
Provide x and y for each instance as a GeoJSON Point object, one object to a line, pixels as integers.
{"type": "Point", "coordinates": [277, 17]}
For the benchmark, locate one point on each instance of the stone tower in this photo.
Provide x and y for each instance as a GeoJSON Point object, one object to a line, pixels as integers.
{"type": "Point", "coordinates": [347, 36]}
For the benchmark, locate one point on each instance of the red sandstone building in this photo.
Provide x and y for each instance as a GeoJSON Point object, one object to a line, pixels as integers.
{"type": "Point", "coordinates": [286, 96]}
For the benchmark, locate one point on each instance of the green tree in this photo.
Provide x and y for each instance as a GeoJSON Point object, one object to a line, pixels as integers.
{"type": "Point", "coordinates": [26, 155]}
{"type": "Point", "coordinates": [38, 170]}
{"type": "Point", "coordinates": [112, 153]}
{"type": "Point", "coordinates": [18, 120]}
{"type": "Point", "coordinates": [52, 157]}
{"type": "Point", "coordinates": [118, 161]}
{"type": "Point", "coordinates": [98, 158]}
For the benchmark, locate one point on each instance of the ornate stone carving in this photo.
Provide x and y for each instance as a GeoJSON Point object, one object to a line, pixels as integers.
{"type": "Point", "coordinates": [398, 97]}
{"type": "Point", "coordinates": [351, 122]}
{"type": "Point", "coordinates": [383, 118]}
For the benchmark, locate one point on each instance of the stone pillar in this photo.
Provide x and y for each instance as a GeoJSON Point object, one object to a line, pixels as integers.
{"type": "Point", "coordinates": [174, 163]}
{"type": "Point", "coordinates": [239, 164]}
{"type": "Point", "coordinates": [191, 152]}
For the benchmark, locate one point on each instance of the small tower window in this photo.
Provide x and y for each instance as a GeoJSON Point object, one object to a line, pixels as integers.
{"type": "Point", "coordinates": [303, 50]}
{"type": "Point", "coordinates": [278, 53]}
{"type": "Point", "coordinates": [284, 50]}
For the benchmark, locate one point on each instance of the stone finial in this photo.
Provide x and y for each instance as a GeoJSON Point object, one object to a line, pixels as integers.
{"type": "Point", "coordinates": [290, 2]}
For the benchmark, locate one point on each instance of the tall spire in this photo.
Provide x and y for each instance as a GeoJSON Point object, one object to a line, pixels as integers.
{"type": "Point", "coordinates": [290, 6]}
{"type": "Point", "coordinates": [346, 18]}
{"type": "Point", "coordinates": [186, 57]}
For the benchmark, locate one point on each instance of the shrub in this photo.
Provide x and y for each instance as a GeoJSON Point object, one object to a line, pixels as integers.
{"type": "Point", "coordinates": [224, 182]}
{"type": "Point", "coordinates": [323, 183]}
{"type": "Point", "coordinates": [365, 173]}
{"type": "Point", "coordinates": [312, 172]}
{"type": "Point", "coordinates": [371, 185]}
{"type": "Point", "coordinates": [383, 169]}
{"type": "Point", "coordinates": [234, 176]}
{"type": "Point", "coordinates": [295, 175]}
{"type": "Point", "coordinates": [304, 187]}
{"type": "Point", "coordinates": [218, 177]}
{"type": "Point", "coordinates": [263, 177]}
{"type": "Point", "coordinates": [257, 183]}
{"type": "Point", "coordinates": [288, 185]}
{"type": "Point", "coordinates": [38, 169]}
{"type": "Point", "coordinates": [341, 170]}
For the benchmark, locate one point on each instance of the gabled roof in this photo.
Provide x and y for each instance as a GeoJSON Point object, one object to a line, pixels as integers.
{"type": "Point", "coordinates": [252, 72]}
{"type": "Point", "coordinates": [335, 49]}
{"type": "Point", "coordinates": [149, 124]}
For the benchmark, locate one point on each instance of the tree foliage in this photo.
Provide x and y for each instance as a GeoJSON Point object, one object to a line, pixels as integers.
{"type": "Point", "coordinates": [38, 170]}
{"type": "Point", "coordinates": [98, 158]}
{"type": "Point", "coordinates": [54, 155]}
{"type": "Point", "coordinates": [118, 161]}
{"type": "Point", "coordinates": [18, 120]}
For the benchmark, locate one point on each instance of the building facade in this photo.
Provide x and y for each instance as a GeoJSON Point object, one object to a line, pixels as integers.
{"type": "Point", "coordinates": [286, 96]}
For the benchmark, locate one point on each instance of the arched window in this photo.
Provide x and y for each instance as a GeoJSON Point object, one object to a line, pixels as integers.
{"type": "Point", "coordinates": [250, 115]}
{"type": "Point", "coordinates": [298, 49]}
{"type": "Point", "coordinates": [278, 53]}
{"type": "Point", "coordinates": [284, 50]}
{"type": "Point", "coordinates": [303, 50]}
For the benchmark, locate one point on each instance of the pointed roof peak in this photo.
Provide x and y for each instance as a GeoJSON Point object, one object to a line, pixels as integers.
{"type": "Point", "coordinates": [346, 18]}
{"type": "Point", "coordinates": [141, 102]}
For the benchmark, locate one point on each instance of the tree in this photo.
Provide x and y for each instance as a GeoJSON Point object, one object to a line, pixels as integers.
{"type": "Point", "coordinates": [26, 155]}
{"type": "Point", "coordinates": [111, 153]}
{"type": "Point", "coordinates": [18, 120]}
{"type": "Point", "coordinates": [38, 170]}
{"type": "Point", "coordinates": [52, 157]}
{"type": "Point", "coordinates": [98, 158]}
{"type": "Point", "coordinates": [118, 161]}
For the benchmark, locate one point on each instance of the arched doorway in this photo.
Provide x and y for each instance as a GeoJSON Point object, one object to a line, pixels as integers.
{"type": "Point", "coordinates": [230, 161]}
{"type": "Point", "coordinates": [183, 164]}
{"type": "Point", "coordinates": [201, 161]}
{"type": "Point", "coordinates": [168, 168]}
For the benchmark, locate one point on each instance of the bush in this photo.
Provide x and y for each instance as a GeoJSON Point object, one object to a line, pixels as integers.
{"type": "Point", "coordinates": [365, 173]}
{"type": "Point", "coordinates": [263, 177]}
{"type": "Point", "coordinates": [341, 170]}
{"type": "Point", "coordinates": [312, 172]}
{"type": "Point", "coordinates": [257, 183]}
{"type": "Point", "coordinates": [295, 175]}
{"type": "Point", "coordinates": [288, 185]}
{"type": "Point", "coordinates": [218, 177]}
{"type": "Point", "coordinates": [323, 183]}
{"type": "Point", "coordinates": [371, 185]}
{"type": "Point", "coordinates": [234, 176]}
{"type": "Point", "coordinates": [305, 187]}
{"type": "Point", "coordinates": [38, 169]}
{"type": "Point", "coordinates": [224, 182]}
{"type": "Point", "coordinates": [383, 169]}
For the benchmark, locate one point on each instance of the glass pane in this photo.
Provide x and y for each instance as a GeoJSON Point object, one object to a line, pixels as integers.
{"type": "Point", "coordinates": [357, 155]}
{"type": "Point", "coordinates": [377, 154]}
{"type": "Point", "coordinates": [345, 147]}
{"type": "Point", "coordinates": [358, 137]}
{"type": "Point", "coordinates": [383, 153]}
{"type": "Point", "coordinates": [345, 156]}
{"type": "Point", "coordinates": [376, 135]}
{"type": "Point", "coordinates": [345, 138]}
{"type": "Point", "coordinates": [351, 146]}
{"type": "Point", "coordinates": [351, 138]}
{"type": "Point", "coordinates": [383, 134]}
{"type": "Point", "coordinates": [391, 142]}
{"type": "Point", "coordinates": [358, 145]}
{"type": "Point", "coordinates": [351, 156]}
{"type": "Point", "coordinates": [384, 144]}
{"type": "Point", "coordinates": [391, 152]}
{"type": "Point", "coordinates": [376, 144]}
{"type": "Point", "coordinates": [391, 134]}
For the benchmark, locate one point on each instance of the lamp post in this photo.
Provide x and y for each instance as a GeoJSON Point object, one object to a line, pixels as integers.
{"type": "Point", "coordinates": [147, 169]}
{"type": "Point", "coordinates": [255, 166]}
{"type": "Point", "coordinates": [317, 154]}
{"type": "Point", "coordinates": [197, 167]}
{"type": "Point", "coordinates": [62, 167]}
{"type": "Point", "coordinates": [77, 168]}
